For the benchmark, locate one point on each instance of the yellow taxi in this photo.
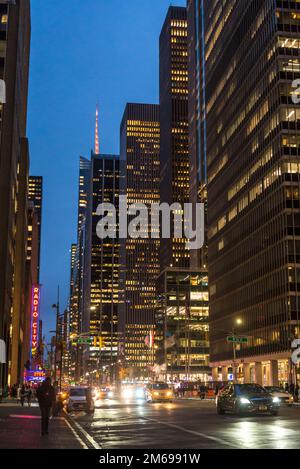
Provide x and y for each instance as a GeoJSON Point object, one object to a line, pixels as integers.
{"type": "Point", "coordinates": [159, 392]}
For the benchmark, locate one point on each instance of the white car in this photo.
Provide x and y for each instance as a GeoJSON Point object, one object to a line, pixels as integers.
{"type": "Point", "coordinates": [80, 398]}
{"type": "Point", "coordinates": [284, 397]}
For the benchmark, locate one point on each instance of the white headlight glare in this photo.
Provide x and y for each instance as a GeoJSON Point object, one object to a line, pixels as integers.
{"type": "Point", "coordinates": [139, 393]}
{"type": "Point", "coordinates": [276, 400]}
{"type": "Point", "coordinates": [244, 400]}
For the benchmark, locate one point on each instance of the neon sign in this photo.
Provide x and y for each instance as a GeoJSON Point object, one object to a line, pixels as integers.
{"type": "Point", "coordinates": [35, 312]}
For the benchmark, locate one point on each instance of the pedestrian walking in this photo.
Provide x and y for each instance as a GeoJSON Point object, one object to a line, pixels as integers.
{"type": "Point", "coordinates": [29, 395]}
{"type": "Point", "coordinates": [202, 392]}
{"type": "Point", "coordinates": [19, 394]}
{"type": "Point", "coordinates": [46, 396]}
{"type": "Point", "coordinates": [297, 392]}
{"type": "Point", "coordinates": [55, 409]}
{"type": "Point", "coordinates": [286, 387]}
{"type": "Point", "coordinates": [22, 395]}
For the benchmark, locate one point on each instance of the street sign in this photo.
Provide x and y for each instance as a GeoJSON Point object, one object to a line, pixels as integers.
{"type": "Point", "coordinates": [237, 340]}
{"type": "Point", "coordinates": [85, 341]}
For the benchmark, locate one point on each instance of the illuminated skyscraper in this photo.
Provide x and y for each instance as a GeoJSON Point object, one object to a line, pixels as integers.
{"type": "Point", "coordinates": [253, 148]}
{"type": "Point", "coordinates": [174, 141]}
{"type": "Point", "coordinates": [103, 264]}
{"type": "Point", "coordinates": [14, 164]}
{"type": "Point", "coordinates": [35, 195]}
{"type": "Point", "coordinates": [197, 119]}
{"type": "Point", "coordinates": [140, 140]}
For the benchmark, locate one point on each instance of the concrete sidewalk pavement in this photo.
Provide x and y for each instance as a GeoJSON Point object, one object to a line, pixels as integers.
{"type": "Point", "coordinates": [20, 428]}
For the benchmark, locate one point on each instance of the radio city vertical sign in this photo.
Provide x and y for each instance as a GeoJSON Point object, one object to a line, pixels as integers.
{"type": "Point", "coordinates": [35, 314]}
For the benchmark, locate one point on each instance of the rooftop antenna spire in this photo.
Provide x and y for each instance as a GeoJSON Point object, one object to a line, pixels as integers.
{"type": "Point", "coordinates": [97, 146]}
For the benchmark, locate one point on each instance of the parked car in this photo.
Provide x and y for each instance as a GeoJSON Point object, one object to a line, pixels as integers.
{"type": "Point", "coordinates": [284, 397]}
{"type": "Point", "coordinates": [80, 398]}
{"type": "Point", "coordinates": [246, 399]}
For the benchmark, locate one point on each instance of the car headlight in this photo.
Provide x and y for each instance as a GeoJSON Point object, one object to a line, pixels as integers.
{"type": "Point", "coordinates": [140, 393]}
{"type": "Point", "coordinates": [276, 400]}
{"type": "Point", "coordinates": [156, 393]}
{"type": "Point", "coordinates": [127, 393]}
{"type": "Point", "coordinates": [244, 400]}
{"type": "Point", "coordinates": [110, 394]}
{"type": "Point", "coordinates": [169, 394]}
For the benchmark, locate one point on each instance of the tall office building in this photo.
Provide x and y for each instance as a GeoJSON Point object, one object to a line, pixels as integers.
{"type": "Point", "coordinates": [14, 163]}
{"type": "Point", "coordinates": [139, 258]}
{"type": "Point", "coordinates": [35, 195]}
{"type": "Point", "coordinates": [78, 321]}
{"type": "Point", "coordinates": [103, 265]}
{"type": "Point", "coordinates": [174, 141]}
{"type": "Point", "coordinates": [197, 119]}
{"type": "Point", "coordinates": [253, 148]}
{"type": "Point", "coordinates": [84, 188]}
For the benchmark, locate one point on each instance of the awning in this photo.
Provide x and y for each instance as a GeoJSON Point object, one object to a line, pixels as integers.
{"type": "Point", "coordinates": [2, 351]}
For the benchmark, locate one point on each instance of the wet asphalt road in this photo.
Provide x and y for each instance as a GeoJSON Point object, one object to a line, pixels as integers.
{"type": "Point", "coordinates": [187, 424]}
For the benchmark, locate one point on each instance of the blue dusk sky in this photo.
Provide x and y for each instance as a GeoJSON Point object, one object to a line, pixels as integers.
{"type": "Point", "coordinates": [82, 52]}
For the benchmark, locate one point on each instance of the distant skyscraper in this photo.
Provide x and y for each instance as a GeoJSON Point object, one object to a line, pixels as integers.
{"type": "Point", "coordinates": [140, 140]}
{"type": "Point", "coordinates": [14, 164]}
{"type": "Point", "coordinates": [78, 321]}
{"type": "Point", "coordinates": [35, 195]}
{"type": "Point", "coordinates": [253, 149]}
{"type": "Point", "coordinates": [83, 193]}
{"type": "Point", "coordinates": [174, 142]}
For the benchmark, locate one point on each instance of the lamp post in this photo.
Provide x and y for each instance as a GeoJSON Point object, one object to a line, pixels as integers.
{"type": "Point", "coordinates": [58, 316]}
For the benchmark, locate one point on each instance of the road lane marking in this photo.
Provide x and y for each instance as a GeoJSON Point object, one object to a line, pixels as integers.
{"type": "Point", "coordinates": [28, 417]}
{"type": "Point", "coordinates": [85, 433]}
{"type": "Point", "coordinates": [192, 432]}
{"type": "Point", "coordinates": [76, 435]}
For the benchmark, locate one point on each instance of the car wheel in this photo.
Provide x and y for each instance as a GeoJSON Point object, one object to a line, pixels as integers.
{"type": "Point", "coordinates": [220, 410]}
{"type": "Point", "coordinates": [274, 413]}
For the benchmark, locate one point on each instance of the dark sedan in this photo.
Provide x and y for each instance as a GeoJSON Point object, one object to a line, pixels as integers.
{"type": "Point", "coordinates": [246, 399]}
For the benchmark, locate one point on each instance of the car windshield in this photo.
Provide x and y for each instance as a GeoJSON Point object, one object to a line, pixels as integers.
{"type": "Point", "coordinates": [250, 389]}
{"type": "Point", "coordinates": [274, 389]}
{"type": "Point", "coordinates": [160, 386]}
{"type": "Point", "coordinates": [78, 392]}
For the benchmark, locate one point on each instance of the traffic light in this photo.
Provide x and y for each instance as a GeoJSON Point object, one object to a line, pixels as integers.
{"type": "Point", "coordinates": [98, 342]}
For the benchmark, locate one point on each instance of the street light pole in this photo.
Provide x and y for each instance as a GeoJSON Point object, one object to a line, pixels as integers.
{"type": "Point", "coordinates": [56, 306]}
{"type": "Point", "coordinates": [234, 356]}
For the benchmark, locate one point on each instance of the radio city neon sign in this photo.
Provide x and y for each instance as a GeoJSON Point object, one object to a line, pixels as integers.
{"type": "Point", "coordinates": [35, 312]}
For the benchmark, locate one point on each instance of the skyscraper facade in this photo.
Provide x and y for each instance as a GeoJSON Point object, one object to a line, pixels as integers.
{"type": "Point", "coordinates": [197, 119]}
{"type": "Point", "coordinates": [174, 122]}
{"type": "Point", "coordinates": [35, 195]}
{"type": "Point", "coordinates": [14, 163]}
{"type": "Point", "coordinates": [139, 258]}
{"type": "Point", "coordinates": [253, 135]}
{"type": "Point", "coordinates": [104, 266]}
{"type": "Point", "coordinates": [78, 321]}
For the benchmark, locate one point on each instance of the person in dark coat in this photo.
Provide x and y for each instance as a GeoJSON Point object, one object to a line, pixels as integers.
{"type": "Point", "coordinates": [46, 396]}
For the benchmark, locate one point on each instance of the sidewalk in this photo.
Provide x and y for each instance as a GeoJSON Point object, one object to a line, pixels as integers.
{"type": "Point", "coordinates": [20, 429]}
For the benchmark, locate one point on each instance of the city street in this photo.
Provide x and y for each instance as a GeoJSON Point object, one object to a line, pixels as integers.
{"type": "Point", "coordinates": [119, 425]}
{"type": "Point", "coordinates": [187, 424]}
